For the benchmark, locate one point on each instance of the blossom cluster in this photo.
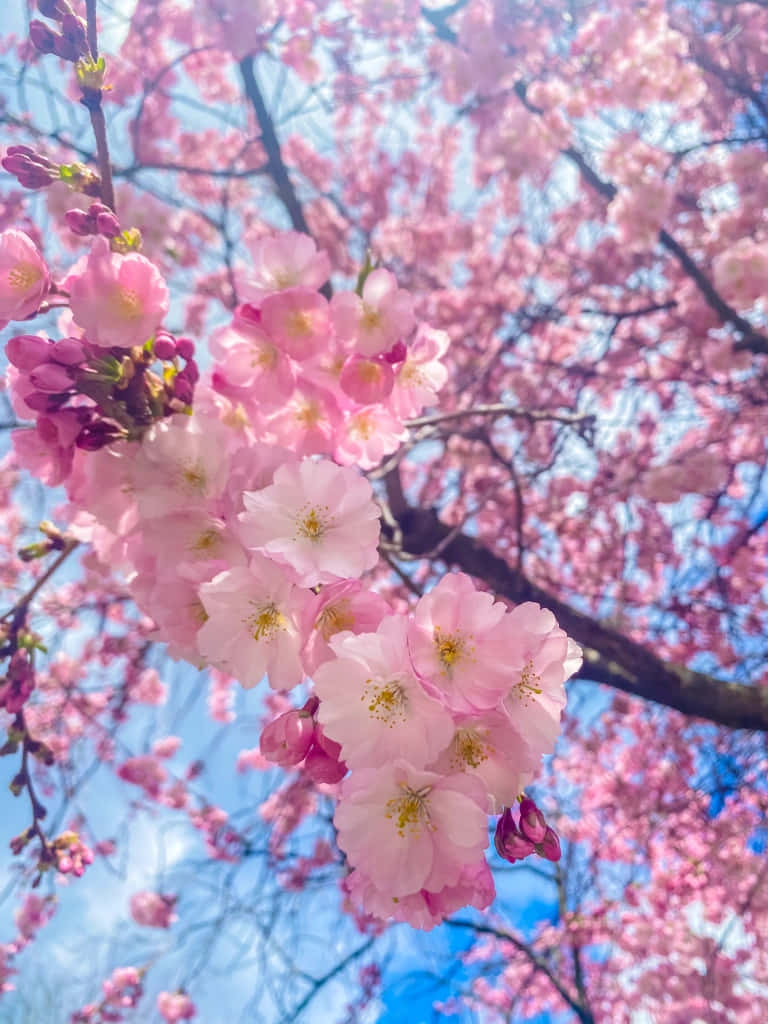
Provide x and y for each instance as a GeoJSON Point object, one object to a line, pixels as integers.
{"type": "Point", "coordinates": [245, 532]}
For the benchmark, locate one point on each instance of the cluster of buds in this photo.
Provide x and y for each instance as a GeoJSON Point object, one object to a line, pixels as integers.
{"type": "Point", "coordinates": [70, 42]}
{"type": "Point", "coordinates": [515, 841]}
{"type": "Point", "coordinates": [17, 684]}
{"type": "Point", "coordinates": [34, 170]}
{"type": "Point", "coordinates": [295, 737]}
{"type": "Point", "coordinates": [98, 220]}
{"type": "Point", "coordinates": [71, 855]}
{"type": "Point", "coordinates": [30, 168]}
{"type": "Point", "coordinates": [125, 395]}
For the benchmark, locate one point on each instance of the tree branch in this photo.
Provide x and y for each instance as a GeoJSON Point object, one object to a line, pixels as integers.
{"type": "Point", "coordinates": [275, 163]}
{"type": "Point", "coordinates": [584, 1014]}
{"type": "Point", "coordinates": [610, 657]}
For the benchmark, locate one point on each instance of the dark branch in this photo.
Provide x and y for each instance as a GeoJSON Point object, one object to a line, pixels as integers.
{"type": "Point", "coordinates": [275, 163]}
{"type": "Point", "coordinates": [609, 656]}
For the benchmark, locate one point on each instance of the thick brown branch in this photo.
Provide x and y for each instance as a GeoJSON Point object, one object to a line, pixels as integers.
{"type": "Point", "coordinates": [609, 656]}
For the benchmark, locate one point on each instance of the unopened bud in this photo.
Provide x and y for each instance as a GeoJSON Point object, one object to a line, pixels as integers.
{"type": "Point", "coordinates": [50, 378]}
{"type": "Point", "coordinates": [75, 38]}
{"type": "Point", "coordinates": [68, 352]}
{"type": "Point", "coordinates": [79, 223]}
{"type": "Point", "coordinates": [107, 224]}
{"type": "Point", "coordinates": [532, 823]}
{"type": "Point", "coordinates": [26, 351]}
{"type": "Point", "coordinates": [549, 847]}
{"type": "Point", "coordinates": [42, 38]}
{"type": "Point", "coordinates": [55, 9]}
{"type": "Point", "coordinates": [510, 843]}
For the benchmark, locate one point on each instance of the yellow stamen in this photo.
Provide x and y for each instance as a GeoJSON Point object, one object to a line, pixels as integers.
{"type": "Point", "coordinates": [24, 276]}
{"type": "Point", "coordinates": [470, 749]}
{"type": "Point", "coordinates": [193, 477]}
{"type": "Point", "coordinates": [334, 618]}
{"type": "Point", "coordinates": [528, 686]}
{"type": "Point", "coordinates": [410, 811]}
{"type": "Point", "coordinates": [314, 523]}
{"type": "Point", "coordinates": [451, 649]}
{"type": "Point", "coordinates": [387, 702]}
{"type": "Point", "coordinates": [299, 323]}
{"type": "Point", "coordinates": [371, 318]}
{"type": "Point", "coordinates": [308, 414]}
{"type": "Point", "coordinates": [266, 622]}
{"type": "Point", "coordinates": [126, 304]}
{"type": "Point", "coordinates": [207, 540]}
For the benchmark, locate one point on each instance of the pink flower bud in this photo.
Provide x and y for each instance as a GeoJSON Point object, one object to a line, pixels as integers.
{"type": "Point", "coordinates": [532, 823]}
{"type": "Point", "coordinates": [26, 351]}
{"type": "Point", "coordinates": [51, 378]}
{"type": "Point", "coordinates": [510, 844]}
{"type": "Point", "coordinates": [185, 348]}
{"type": "Point", "coordinates": [68, 352]}
{"type": "Point", "coordinates": [397, 353]}
{"type": "Point", "coordinates": [41, 37]}
{"type": "Point", "coordinates": [165, 346]}
{"type": "Point", "coordinates": [550, 846]}
{"type": "Point", "coordinates": [107, 224]}
{"type": "Point", "coordinates": [323, 767]}
{"type": "Point", "coordinates": [79, 222]}
{"type": "Point", "coordinates": [286, 740]}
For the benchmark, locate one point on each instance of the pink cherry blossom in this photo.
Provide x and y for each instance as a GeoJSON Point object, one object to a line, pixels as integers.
{"type": "Point", "coordinates": [286, 739]}
{"type": "Point", "coordinates": [409, 829]}
{"type": "Point", "coordinates": [318, 518]}
{"type": "Point", "coordinates": [24, 277]}
{"type": "Point", "coordinates": [175, 1006]}
{"type": "Point", "coordinates": [252, 624]}
{"type": "Point", "coordinates": [287, 260]}
{"type": "Point", "coordinates": [422, 374]}
{"type": "Point", "coordinates": [181, 464]}
{"type": "Point", "coordinates": [372, 703]}
{"type": "Point", "coordinates": [116, 299]}
{"type": "Point", "coordinates": [297, 321]}
{"type": "Point", "coordinates": [152, 909]}
{"type": "Point", "coordinates": [375, 321]}
{"type": "Point", "coordinates": [457, 644]}
{"type": "Point", "coordinates": [490, 746]}
{"type": "Point", "coordinates": [346, 606]}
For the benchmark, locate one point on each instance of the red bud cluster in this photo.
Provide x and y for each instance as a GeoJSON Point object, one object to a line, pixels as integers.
{"type": "Point", "coordinates": [515, 841]}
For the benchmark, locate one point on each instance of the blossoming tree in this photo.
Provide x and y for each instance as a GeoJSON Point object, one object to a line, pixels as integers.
{"type": "Point", "coordinates": [399, 363]}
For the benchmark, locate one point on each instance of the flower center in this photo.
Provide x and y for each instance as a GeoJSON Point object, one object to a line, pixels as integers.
{"type": "Point", "coordinates": [370, 319]}
{"type": "Point", "coordinates": [193, 477]}
{"type": "Point", "coordinates": [207, 540]}
{"type": "Point", "coordinates": [411, 375]}
{"type": "Point", "coordinates": [387, 702]}
{"type": "Point", "coordinates": [300, 323]}
{"type": "Point", "coordinates": [410, 810]}
{"type": "Point", "coordinates": [528, 686]}
{"type": "Point", "coordinates": [283, 279]}
{"type": "Point", "coordinates": [313, 522]}
{"type": "Point", "coordinates": [334, 618]}
{"type": "Point", "coordinates": [264, 356]}
{"type": "Point", "coordinates": [308, 414]}
{"type": "Point", "coordinates": [265, 622]}
{"type": "Point", "coordinates": [126, 304]}
{"type": "Point", "coordinates": [361, 426]}
{"type": "Point", "coordinates": [469, 749]}
{"type": "Point", "coordinates": [24, 276]}
{"type": "Point", "coordinates": [451, 648]}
